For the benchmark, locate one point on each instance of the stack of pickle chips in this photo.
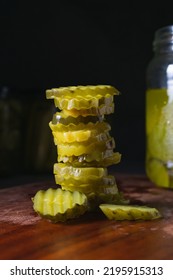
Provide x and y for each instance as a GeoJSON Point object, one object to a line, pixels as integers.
{"type": "Point", "coordinates": [85, 150]}
{"type": "Point", "coordinates": [85, 147]}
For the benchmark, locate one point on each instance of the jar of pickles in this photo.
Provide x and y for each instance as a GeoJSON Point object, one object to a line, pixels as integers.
{"type": "Point", "coordinates": [159, 110]}
{"type": "Point", "coordinates": [40, 148]}
{"type": "Point", "coordinates": [10, 132]}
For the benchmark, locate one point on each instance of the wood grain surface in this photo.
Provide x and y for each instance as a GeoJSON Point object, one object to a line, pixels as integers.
{"type": "Point", "coordinates": [24, 235]}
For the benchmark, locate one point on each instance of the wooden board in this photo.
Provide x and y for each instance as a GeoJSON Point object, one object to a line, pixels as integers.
{"type": "Point", "coordinates": [24, 235]}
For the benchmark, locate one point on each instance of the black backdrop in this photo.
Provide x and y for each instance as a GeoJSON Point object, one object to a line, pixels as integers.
{"type": "Point", "coordinates": [48, 44]}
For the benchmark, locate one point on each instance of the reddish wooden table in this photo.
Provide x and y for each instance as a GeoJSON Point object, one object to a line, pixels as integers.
{"type": "Point", "coordinates": [24, 235]}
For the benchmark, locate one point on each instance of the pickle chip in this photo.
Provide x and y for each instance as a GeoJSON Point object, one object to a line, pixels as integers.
{"type": "Point", "coordinates": [87, 185]}
{"type": "Point", "coordinates": [82, 91]}
{"type": "Point", "coordinates": [81, 103]}
{"type": "Point", "coordinates": [100, 126]}
{"type": "Point", "coordinates": [129, 212]}
{"type": "Point", "coordinates": [59, 205]}
{"type": "Point", "coordinates": [79, 136]}
{"type": "Point", "coordinates": [83, 97]}
{"type": "Point", "coordinates": [93, 111]}
{"type": "Point", "coordinates": [102, 159]}
{"type": "Point", "coordinates": [66, 119]}
{"type": "Point", "coordinates": [68, 171]}
{"type": "Point", "coordinates": [77, 149]}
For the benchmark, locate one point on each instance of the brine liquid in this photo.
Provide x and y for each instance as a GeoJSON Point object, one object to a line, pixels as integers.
{"type": "Point", "coordinates": [159, 136]}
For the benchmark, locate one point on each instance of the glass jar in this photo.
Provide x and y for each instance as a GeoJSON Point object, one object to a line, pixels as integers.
{"type": "Point", "coordinates": [11, 138]}
{"type": "Point", "coordinates": [159, 110]}
{"type": "Point", "coordinates": [40, 147]}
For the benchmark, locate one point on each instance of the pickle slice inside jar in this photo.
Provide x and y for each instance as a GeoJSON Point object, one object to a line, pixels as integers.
{"type": "Point", "coordinates": [157, 172]}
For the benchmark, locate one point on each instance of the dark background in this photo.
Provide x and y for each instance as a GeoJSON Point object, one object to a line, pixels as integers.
{"type": "Point", "coordinates": [47, 44]}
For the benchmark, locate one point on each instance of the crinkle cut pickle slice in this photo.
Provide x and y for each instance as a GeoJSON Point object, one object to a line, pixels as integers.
{"type": "Point", "coordinates": [59, 205]}
{"type": "Point", "coordinates": [129, 212]}
{"type": "Point", "coordinates": [79, 133]}
{"type": "Point", "coordinates": [87, 189]}
{"type": "Point", "coordinates": [99, 126]}
{"type": "Point", "coordinates": [82, 91]}
{"type": "Point", "coordinates": [93, 111]}
{"type": "Point", "coordinates": [77, 149]}
{"type": "Point", "coordinates": [66, 170]}
{"type": "Point", "coordinates": [104, 159]}
{"type": "Point", "coordinates": [93, 181]}
{"type": "Point", "coordinates": [81, 136]}
{"type": "Point", "coordinates": [65, 118]}
{"type": "Point", "coordinates": [80, 104]}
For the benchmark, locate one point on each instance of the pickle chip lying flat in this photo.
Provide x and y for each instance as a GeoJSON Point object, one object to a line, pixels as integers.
{"type": "Point", "coordinates": [101, 159]}
{"type": "Point", "coordinates": [93, 111]}
{"type": "Point", "coordinates": [59, 205]}
{"type": "Point", "coordinates": [82, 91]}
{"type": "Point", "coordinates": [129, 212]}
{"type": "Point", "coordinates": [95, 185]}
{"type": "Point", "coordinates": [66, 119]}
{"type": "Point", "coordinates": [84, 135]}
{"type": "Point", "coordinates": [77, 149]}
{"type": "Point", "coordinates": [68, 171]}
{"type": "Point", "coordinates": [81, 103]}
{"type": "Point", "coordinates": [98, 126]}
